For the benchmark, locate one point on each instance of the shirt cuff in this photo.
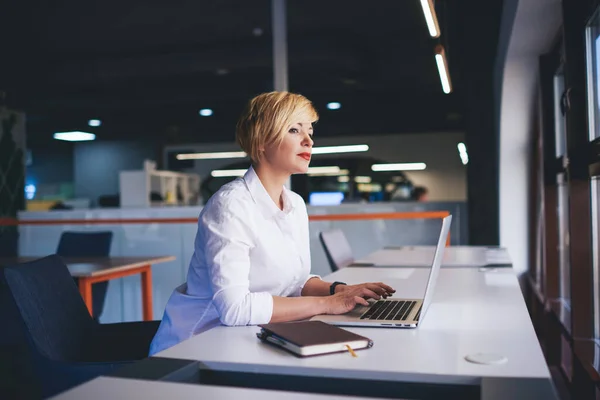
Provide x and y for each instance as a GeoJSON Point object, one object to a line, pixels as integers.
{"type": "Point", "coordinates": [261, 311]}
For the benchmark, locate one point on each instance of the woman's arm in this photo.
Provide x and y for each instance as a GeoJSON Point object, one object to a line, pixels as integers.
{"type": "Point", "coordinates": [316, 287]}
{"type": "Point", "coordinates": [296, 308]}
{"type": "Point", "coordinates": [344, 300]}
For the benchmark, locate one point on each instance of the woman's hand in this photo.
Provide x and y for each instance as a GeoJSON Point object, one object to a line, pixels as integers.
{"type": "Point", "coordinates": [347, 297]}
{"type": "Point", "coordinates": [373, 289]}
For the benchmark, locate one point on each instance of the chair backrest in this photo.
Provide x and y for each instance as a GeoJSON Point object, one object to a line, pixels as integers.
{"type": "Point", "coordinates": [84, 244]}
{"type": "Point", "coordinates": [56, 318]}
{"type": "Point", "coordinates": [337, 249]}
{"type": "Point", "coordinates": [9, 242]}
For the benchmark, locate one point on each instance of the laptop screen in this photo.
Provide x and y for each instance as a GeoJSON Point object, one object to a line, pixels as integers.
{"type": "Point", "coordinates": [437, 263]}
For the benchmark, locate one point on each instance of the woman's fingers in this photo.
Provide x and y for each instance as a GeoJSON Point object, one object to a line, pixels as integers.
{"type": "Point", "coordinates": [360, 300]}
{"type": "Point", "coordinates": [366, 292]}
{"type": "Point", "coordinates": [382, 291]}
{"type": "Point", "coordinates": [388, 289]}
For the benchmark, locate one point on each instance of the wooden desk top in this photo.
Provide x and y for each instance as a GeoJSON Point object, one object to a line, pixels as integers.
{"type": "Point", "coordinates": [96, 266]}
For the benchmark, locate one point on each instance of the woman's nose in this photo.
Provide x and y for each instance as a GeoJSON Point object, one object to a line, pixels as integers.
{"type": "Point", "coordinates": [308, 140]}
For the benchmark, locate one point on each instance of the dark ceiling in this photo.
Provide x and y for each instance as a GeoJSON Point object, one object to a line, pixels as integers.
{"type": "Point", "coordinates": [145, 68]}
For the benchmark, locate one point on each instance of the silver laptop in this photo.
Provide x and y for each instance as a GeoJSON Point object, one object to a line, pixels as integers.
{"type": "Point", "coordinates": [394, 312]}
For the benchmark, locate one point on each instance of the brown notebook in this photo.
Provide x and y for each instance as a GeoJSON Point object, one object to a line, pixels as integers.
{"type": "Point", "coordinates": [310, 338]}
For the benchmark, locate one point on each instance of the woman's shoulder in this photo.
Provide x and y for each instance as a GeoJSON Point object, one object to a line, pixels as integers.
{"type": "Point", "coordinates": [232, 196]}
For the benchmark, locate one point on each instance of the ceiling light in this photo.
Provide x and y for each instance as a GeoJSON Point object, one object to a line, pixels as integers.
{"type": "Point", "coordinates": [323, 170]}
{"type": "Point", "coordinates": [399, 167]}
{"type": "Point", "coordinates": [343, 179]}
{"type": "Point", "coordinates": [75, 136]}
{"type": "Point", "coordinates": [327, 171]}
{"type": "Point", "coordinates": [206, 112]}
{"type": "Point", "coordinates": [462, 152]}
{"type": "Point", "coordinates": [362, 179]}
{"type": "Point", "coordinates": [211, 156]}
{"type": "Point", "coordinates": [221, 173]}
{"type": "Point", "coordinates": [430, 18]}
{"type": "Point", "coordinates": [94, 122]}
{"type": "Point", "coordinates": [334, 105]}
{"type": "Point", "coordinates": [442, 64]}
{"type": "Point", "coordinates": [353, 148]}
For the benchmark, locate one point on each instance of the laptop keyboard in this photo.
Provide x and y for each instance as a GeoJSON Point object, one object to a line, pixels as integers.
{"type": "Point", "coordinates": [390, 310]}
{"type": "Point", "coordinates": [418, 313]}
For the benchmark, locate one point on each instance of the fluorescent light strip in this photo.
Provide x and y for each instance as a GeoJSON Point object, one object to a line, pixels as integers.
{"type": "Point", "coordinates": [362, 179]}
{"type": "Point", "coordinates": [224, 173]}
{"type": "Point", "coordinates": [442, 64]}
{"type": "Point", "coordinates": [462, 152]}
{"type": "Point", "coordinates": [399, 167]}
{"type": "Point", "coordinates": [340, 172]}
{"type": "Point", "coordinates": [333, 170]}
{"type": "Point", "coordinates": [75, 136]}
{"type": "Point", "coordinates": [430, 18]}
{"type": "Point", "coordinates": [212, 156]}
{"type": "Point", "coordinates": [353, 148]}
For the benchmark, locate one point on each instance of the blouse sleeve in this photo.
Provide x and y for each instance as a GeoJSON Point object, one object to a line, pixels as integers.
{"type": "Point", "coordinates": [227, 240]}
{"type": "Point", "coordinates": [305, 238]}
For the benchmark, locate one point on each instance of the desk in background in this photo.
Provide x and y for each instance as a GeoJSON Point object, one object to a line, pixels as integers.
{"type": "Point", "coordinates": [91, 270]}
{"type": "Point", "coordinates": [422, 257]}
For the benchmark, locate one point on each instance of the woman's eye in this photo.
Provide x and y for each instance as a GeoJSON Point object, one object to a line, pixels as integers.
{"type": "Point", "coordinates": [294, 130]}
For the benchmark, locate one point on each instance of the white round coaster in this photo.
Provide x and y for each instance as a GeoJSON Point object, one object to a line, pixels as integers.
{"type": "Point", "coordinates": [486, 358]}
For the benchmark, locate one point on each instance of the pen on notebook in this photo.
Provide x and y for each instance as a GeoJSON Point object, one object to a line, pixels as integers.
{"type": "Point", "coordinates": [351, 351]}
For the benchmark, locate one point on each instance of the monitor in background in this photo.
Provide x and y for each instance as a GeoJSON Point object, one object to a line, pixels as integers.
{"type": "Point", "coordinates": [325, 198]}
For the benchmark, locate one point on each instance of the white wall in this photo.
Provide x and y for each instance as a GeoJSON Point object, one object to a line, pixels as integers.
{"type": "Point", "coordinates": [535, 26]}
{"type": "Point", "coordinates": [445, 176]}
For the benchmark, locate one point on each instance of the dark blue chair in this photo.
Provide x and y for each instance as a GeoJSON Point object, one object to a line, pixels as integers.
{"type": "Point", "coordinates": [9, 242]}
{"type": "Point", "coordinates": [88, 244]}
{"type": "Point", "coordinates": [53, 337]}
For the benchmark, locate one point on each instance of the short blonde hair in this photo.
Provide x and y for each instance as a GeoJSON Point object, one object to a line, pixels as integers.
{"type": "Point", "coordinates": [267, 118]}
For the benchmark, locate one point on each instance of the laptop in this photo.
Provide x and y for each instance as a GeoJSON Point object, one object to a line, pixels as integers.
{"type": "Point", "coordinates": [396, 312]}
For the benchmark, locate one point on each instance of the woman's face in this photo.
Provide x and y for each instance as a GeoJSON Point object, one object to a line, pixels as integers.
{"type": "Point", "coordinates": [293, 155]}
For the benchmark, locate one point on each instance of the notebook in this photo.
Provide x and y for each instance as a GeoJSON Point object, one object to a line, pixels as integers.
{"type": "Point", "coordinates": [310, 338]}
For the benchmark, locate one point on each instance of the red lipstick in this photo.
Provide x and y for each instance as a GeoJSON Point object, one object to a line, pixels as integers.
{"type": "Point", "coordinates": [306, 156]}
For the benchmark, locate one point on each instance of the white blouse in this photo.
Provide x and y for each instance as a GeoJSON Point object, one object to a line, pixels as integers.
{"type": "Point", "coordinates": [246, 251]}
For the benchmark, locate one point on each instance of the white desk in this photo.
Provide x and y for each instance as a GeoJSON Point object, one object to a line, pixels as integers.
{"type": "Point", "coordinates": [119, 388]}
{"type": "Point", "coordinates": [422, 256]}
{"type": "Point", "coordinates": [472, 312]}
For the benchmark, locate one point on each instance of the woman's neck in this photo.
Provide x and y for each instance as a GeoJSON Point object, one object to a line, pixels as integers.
{"type": "Point", "coordinates": [272, 181]}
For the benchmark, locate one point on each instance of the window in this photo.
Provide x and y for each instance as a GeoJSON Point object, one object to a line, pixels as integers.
{"type": "Point", "coordinates": [593, 74]}
{"type": "Point", "coordinates": [593, 91]}
{"type": "Point", "coordinates": [560, 131]}
{"type": "Point", "coordinates": [595, 194]}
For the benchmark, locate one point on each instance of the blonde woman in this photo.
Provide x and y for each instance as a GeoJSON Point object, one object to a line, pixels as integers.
{"type": "Point", "coordinates": [251, 262]}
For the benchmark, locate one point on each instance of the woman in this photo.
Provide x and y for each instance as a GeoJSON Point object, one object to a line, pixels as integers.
{"type": "Point", "coordinates": [251, 259]}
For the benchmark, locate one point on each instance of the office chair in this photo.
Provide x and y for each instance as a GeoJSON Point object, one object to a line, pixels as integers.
{"type": "Point", "coordinates": [9, 242]}
{"type": "Point", "coordinates": [60, 344]}
{"type": "Point", "coordinates": [337, 249]}
{"type": "Point", "coordinates": [88, 244]}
